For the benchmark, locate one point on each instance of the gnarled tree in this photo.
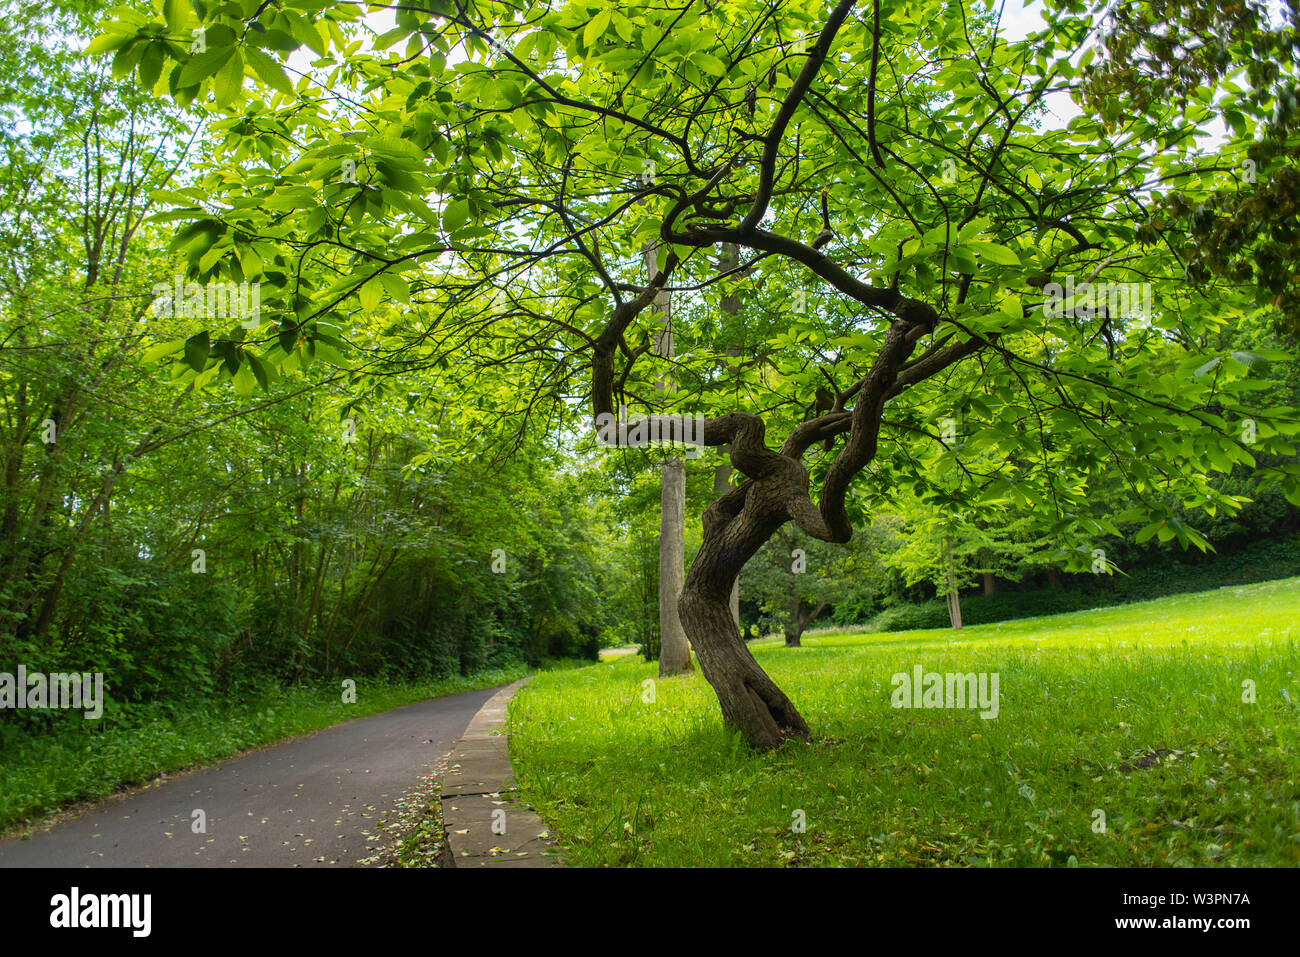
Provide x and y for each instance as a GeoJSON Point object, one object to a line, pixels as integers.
{"type": "Point", "coordinates": [937, 221]}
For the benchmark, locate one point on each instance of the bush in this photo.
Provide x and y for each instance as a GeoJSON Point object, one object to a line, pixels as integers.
{"type": "Point", "coordinates": [558, 637]}
{"type": "Point", "coordinates": [930, 614]}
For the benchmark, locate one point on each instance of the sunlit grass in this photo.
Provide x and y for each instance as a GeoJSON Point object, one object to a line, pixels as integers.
{"type": "Point", "coordinates": [1156, 687]}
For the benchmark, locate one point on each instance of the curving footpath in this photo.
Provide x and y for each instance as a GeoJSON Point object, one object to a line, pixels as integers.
{"type": "Point", "coordinates": [318, 800]}
{"type": "Point", "coordinates": [484, 828]}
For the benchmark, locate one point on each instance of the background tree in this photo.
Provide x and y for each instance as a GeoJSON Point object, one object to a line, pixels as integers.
{"type": "Point", "coordinates": [191, 543]}
{"type": "Point", "coordinates": [797, 578]}
{"type": "Point", "coordinates": [674, 649]}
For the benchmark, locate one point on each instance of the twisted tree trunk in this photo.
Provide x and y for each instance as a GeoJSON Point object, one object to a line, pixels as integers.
{"type": "Point", "coordinates": [776, 491]}
{"type": "Point", "coordinates": [722, 482]}
{"type": "Point", "coordinates": [751, 702]}
{"type": "Point", "coordinates": [776, 485]}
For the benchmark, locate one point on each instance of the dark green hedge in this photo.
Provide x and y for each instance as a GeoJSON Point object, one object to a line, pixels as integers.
{"type": "Point", "coordinates": [1263, 561]}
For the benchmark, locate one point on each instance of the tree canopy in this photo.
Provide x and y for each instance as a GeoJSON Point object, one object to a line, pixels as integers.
{"type": "Point", "coordinates": [950, 290]}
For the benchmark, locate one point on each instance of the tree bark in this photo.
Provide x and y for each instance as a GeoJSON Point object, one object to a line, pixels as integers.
{"type": "Point", "coordinates": [674, 649]}
{"type": "Point", "coordinates": [736, 526]}
{"type": "Point", "coordinates": [751, 702]}
{"type": "Point", "coordinates": [799, 622]}
{"type": "Point", "coordinates": [721, 483]}
{"type": "Point", "coordinates": [954, 601]}
{"type": "Point", "coordinates": [729, 306]}
{"type": "Point", "coordinates": [791, 629]}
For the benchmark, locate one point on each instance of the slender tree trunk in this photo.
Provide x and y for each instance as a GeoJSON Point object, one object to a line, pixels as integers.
{"type": "Point", "coordinates": [730, 307]}
{"type": "Point", "coordinates": [46, 615]}
{"type": "Point", "coordinates": [365, 607]}
{"type": "Point", "coordinates": [799, 622]}
{"type": "Point", "coordinates": [313, 606]}
{"type": "Point", "coordinates": [990, 584]}
{"type": "Point", "coordinates": [794, 626]}
{"type": "Point", "coordinates": [13, 472]}
{"type": "Point", "coordinates": [954, 602]}
{"type": "Point", "coordinates": [674, 649]}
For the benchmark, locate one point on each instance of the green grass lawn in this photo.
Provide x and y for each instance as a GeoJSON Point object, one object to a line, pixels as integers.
{"type": "Point", "coordinates": [1134, 711]}
{"type": "Point", "coordinates": [39, 774]}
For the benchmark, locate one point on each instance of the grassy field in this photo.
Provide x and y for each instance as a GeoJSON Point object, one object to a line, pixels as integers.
{"type": "Point", "coordinates": [1135, 713]}
{"type": "Point", "coordinates": [41, 773]}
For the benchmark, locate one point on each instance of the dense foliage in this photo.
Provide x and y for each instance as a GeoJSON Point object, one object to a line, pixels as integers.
{"type": "Point", "coordinates": [190, 543]}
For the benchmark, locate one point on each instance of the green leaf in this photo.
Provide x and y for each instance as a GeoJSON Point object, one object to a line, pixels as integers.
{"type": "Point", "coordinates": [126, 58]}
{"type": "Point", "coordinates": [177, 13]}
{"type": "Point", "coordinates": [709, 63]}
{"type": "Point", "coordinates": [230, 80]}
{"type": "Point", "coordinates": [371, 293]}
{"type": "Point", "coordinates": [151, 62]}
{"type": "Point", "coordinates": [455, 215]}
{"type": "Point", "coordinates": [203, 65]}
{"type": "Point", "coordinates": [1207, 367]}
{"type": "Point", "coordinates": [962, 260]}
{"type": "Point", "coordinates": [994, 253]}
{"type": "Point", "coordinates": [396, 286]}
{"type": "Point", "coordinates": [329, 353]}
{"type": "Point", "coordinates": [386, 40]}
{"type": "Point", "coordinates": [268, 70]}
{"type": "Point", "coordinates": [261, 370]}
{"type": "Point", "coordinates": [305, 33]}
{"type": "Point", "coordinates": [105, 42]}
{"type": "Point", "coordinates": [161, 349]}
{"type": "Point", "coordinates": [197, 348]}
{"type": "Point", "coordinates": [1250, 360]}
{"type": "Point", "coordinates": [596, 27]}
{"type": "Point", "coordinates": [625, 27]}
{"type": "Point", "coordinates": [1148, 531]}
{"type": "Point", "coordinates": [245, 379]}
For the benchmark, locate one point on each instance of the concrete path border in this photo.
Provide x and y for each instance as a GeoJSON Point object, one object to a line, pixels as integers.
{"type": "Point", "coordinates": [483, 828]}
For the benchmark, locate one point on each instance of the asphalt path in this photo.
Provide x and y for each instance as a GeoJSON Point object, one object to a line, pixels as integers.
{"type": "Point", "coordinates": [313, 801]}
